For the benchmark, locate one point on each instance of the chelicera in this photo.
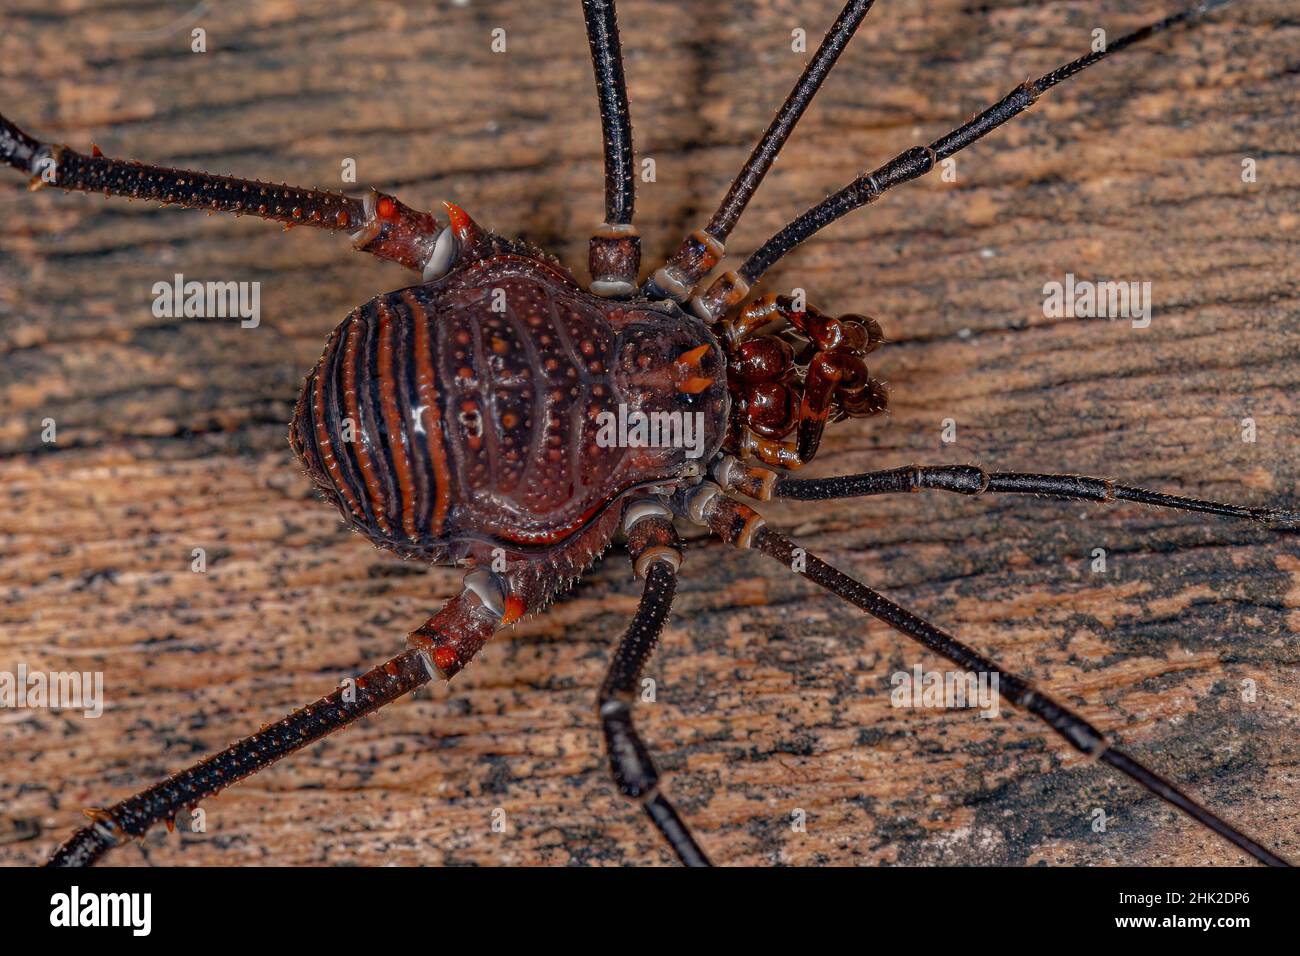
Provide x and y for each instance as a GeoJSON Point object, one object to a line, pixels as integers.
{"type": "Point", "coordinates": [463, 419]}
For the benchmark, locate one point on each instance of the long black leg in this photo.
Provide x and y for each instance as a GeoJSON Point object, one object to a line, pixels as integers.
{"type": "Point", "coordinates": [911, 164]}
{"type": "Point", "coordinates": [973, 480]}
{"type": "Point", "coordinates": [160, 803]}
{"type": "Point", "coordinates": [458, 629]}
{"type": "Point", "coordinates": [700, 251]}
{"type": "Point", "coordinates": [738, 524]}
{"type": "Point", "coordinates": [614, 255]}
{"type": "Point", "coordinates": [379, 224]}
{"type": "Point", "coordinates": [655, 555]}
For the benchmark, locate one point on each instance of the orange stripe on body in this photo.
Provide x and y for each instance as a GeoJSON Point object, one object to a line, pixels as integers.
{"type": "Point", "coordinates": [393, 420]}
{"type": "Point", "coordinates": [430, 416]}
{"type": "Point", "coordinates": [373, 487]}
{"type": "Point", "coordinates": [326, 448]}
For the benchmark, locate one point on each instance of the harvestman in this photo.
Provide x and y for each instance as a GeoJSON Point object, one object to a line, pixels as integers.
{"type": "Point", "coordinates": [474, 423]}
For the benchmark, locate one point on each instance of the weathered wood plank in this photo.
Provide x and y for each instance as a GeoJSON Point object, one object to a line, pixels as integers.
{"type": "Point", "coordinates": [771, 697]}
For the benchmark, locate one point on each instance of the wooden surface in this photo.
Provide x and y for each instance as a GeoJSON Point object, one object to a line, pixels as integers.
{"type": "Point", "coordinates": [771, 697]}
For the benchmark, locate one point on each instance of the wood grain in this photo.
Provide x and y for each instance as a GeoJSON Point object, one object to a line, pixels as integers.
{"type": "Point", "coordinates": [771, 698]}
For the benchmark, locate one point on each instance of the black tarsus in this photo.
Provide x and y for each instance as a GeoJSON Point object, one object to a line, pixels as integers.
{"type": "Point", "coordinates": [915, 162]}
{"type": "Point", "coordinates": [701, 250]}
{"type": "Point", "coordinates": [765, 152]}
{"type": "Point", "coordinates": [973, 480]}
{"type": "Point", "coordinates": [1078, 732]}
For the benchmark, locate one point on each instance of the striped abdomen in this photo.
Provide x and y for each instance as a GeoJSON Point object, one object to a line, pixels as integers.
{"type": "Point", "coordinates": [467, 410]}
{"type": "Point", "coordinates": [368, 424]}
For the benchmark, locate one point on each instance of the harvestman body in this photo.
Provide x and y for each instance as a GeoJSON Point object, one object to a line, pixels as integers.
{"type": "Point", "coordinates": [459, 420]}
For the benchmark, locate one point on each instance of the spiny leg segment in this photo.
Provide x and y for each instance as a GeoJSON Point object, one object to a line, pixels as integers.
{"type": "Point", "coordinates": [614, 253]}
{"type": "Point", "coordinates": [379, 224]}
{"type": "Point", "coordinates": [729, 289]}
{"type": "Point", "coordinates": [741, 526]}
{"type": "Point", "coordinates": [461, 621]}
{"type": "Point", "coordinates": [132, 817]}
